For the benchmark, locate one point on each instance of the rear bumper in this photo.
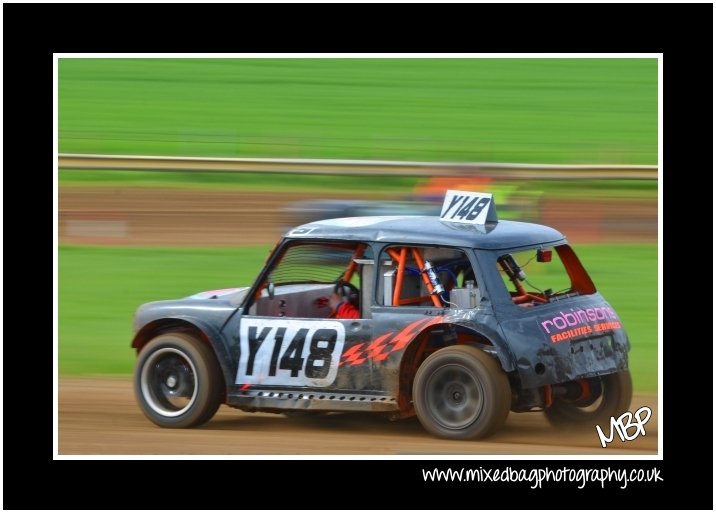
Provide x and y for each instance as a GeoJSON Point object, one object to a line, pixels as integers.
{"type": "Point", "coordinates": [581, 358]}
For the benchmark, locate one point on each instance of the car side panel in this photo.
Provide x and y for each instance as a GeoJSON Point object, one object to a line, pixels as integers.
{"type": "Point", "coordinates": [566, 340]}
{"type": "Point", "coordinates": [298, 352]}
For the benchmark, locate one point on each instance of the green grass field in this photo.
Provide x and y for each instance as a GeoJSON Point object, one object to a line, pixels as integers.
{"type": "Point", "coordinates": [503, 110]}
{"type": "Point", "coordinates": [101, 287]}
{"type": "Point", "coordinates": [238, 181]}
{"type": "Point", "coordinates": [375, 185]}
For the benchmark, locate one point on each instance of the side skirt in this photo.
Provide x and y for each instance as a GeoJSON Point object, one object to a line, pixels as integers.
{"type": "Point", "coordinates": [273, 400]}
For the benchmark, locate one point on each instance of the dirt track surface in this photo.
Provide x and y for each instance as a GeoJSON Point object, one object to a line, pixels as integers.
{"type": "Point", "coordinates": [186, 217]}
{"type": "Point", "coordinates": [101, 417]}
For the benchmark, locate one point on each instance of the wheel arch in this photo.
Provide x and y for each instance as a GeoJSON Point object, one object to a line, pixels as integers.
{"type": "Point", "coordinates": [192, 327]}
{"type": "Point", "coordinates": [436, 337]}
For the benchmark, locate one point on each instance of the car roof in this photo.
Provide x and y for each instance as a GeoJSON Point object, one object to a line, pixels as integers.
{"type": "Point", "coordinates": [428, 230]}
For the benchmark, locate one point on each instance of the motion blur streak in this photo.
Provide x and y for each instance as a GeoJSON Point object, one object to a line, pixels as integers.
{"type": "Point", "coordinates": [149, 216]}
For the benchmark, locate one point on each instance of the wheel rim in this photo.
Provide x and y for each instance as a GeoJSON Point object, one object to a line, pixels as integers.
{"type": "Point", "coordinates": [168, 382]}
{"type": "Point", "coordinates": [454, 396]}
{"type": "Point", "coordinates": [593, 403]}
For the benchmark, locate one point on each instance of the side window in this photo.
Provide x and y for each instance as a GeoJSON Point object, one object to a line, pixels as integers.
{"type": "Point", "coordinates": [314, 280]}
{"type": "Point", "coordinates": [535, 277]}
{"type": "Point", "coordinates": [425, 276]}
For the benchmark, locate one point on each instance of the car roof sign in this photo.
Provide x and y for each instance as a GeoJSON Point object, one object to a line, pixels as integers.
{"type": "Point", "coordinates": [468, 207]}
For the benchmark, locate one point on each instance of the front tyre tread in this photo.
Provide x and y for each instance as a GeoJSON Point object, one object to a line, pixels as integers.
{"type": "Point", "coordinates": [177, 367]}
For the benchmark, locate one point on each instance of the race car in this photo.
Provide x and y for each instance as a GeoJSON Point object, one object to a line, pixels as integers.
{"type": "Point", "coordinates": [458, 320]}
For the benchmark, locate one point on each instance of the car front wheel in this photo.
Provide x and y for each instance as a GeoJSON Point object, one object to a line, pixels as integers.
{"type": "Point", "coordinates": [177, 381]}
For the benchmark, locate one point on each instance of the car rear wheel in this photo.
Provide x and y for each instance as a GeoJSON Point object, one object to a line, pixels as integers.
{"type": "Point", "coordinates": [604, 397]}
{"type": "Point", "coordinates": [460, 392]}
{"type": "Point", "coordinates": [177, 381]}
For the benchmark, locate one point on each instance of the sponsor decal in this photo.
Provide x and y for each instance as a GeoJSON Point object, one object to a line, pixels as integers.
{"type": "Point", "coordinates": [579, 323]}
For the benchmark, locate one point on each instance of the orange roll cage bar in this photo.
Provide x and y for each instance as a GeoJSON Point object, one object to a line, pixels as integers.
{"type": "Point", "coordinates": [402, 257]}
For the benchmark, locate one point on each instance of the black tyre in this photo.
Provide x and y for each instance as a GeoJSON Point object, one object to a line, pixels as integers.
{"type": "Point", "coordinates": [460, 392]}
{"type": "Point", "coordinates": [609, 396]}
{"type": "Point", "coordinates": [177, 381]}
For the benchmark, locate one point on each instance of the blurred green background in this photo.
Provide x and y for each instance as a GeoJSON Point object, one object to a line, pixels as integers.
{"type": "Point", "coordinates": [499, 110]}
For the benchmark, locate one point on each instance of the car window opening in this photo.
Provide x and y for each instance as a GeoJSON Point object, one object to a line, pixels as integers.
{"type": "Point", "coordinates": [548, 279]}
{"type": "Point", "coordinates": [440, 277]}
{"type": "Point", "coordinates": [308, 277]}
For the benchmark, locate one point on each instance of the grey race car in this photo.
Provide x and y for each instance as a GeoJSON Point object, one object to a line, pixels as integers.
{"type": "Point", "coordinates": [450, 328]}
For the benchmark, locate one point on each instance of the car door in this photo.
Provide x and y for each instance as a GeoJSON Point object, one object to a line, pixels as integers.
{"type": "Point", "coordinates": [299, 353]}
{"type": "Point", "coordinates": [287, 338]}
